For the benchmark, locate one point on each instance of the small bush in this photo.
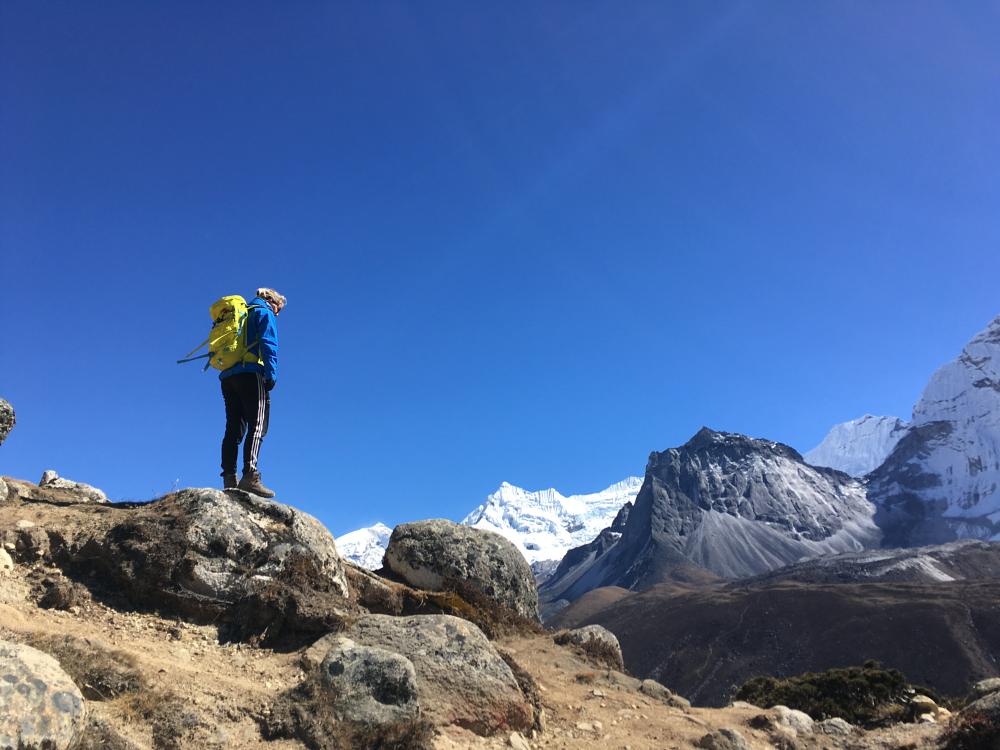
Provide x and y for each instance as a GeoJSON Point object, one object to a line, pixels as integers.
{"type": "Point", "coordinates": [101, 674]}
{"type": "Point", "coordinates": [972, 730]}
{"type": "Point", "coordinates": [867, 695]}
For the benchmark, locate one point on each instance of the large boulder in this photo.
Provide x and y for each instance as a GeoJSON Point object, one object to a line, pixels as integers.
{"type": "Point", "coordinates": [437, 555]}
{"type": "Point", "coordinates": [354, 696]}
{"type": "Point", "coordinates": [7, 419]}
{"type": "Point", "coordinates": [40, 707]}
{"type": "Point", "coordinates": [460, 677]}
{"type": "Point", "coordinates": [255, 565]}
{"type": "Point", "coordinates": [87, 493]}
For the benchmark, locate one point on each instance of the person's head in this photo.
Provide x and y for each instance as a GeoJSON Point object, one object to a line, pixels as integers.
{"type": "Point", "coordinates": [274, 300]}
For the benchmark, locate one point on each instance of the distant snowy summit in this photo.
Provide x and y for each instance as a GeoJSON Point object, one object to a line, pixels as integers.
{"type": "Point", "coordinates": [937, 478]}
{"type": "Point", "coordinates": [942, 480]}
{"type": "Point", "coordinates": [365, 547]}
{"type": "Point", "coordinates": [859, 446]}
{"type": "Point", "coordinates": [543, 525]}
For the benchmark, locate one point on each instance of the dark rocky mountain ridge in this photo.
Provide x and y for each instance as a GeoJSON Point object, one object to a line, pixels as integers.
{"type": "Point", "coordinates": [721, 505]}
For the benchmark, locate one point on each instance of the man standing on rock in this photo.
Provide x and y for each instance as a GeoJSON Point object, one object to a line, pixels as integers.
{"type": "Point", "coordinates": [246, 391]}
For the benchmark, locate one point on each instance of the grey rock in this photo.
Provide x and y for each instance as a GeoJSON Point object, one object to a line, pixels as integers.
{"type": "Point", "coordinates": [517, 741]}
{"type": "Point", "coordinates": [87, 493]}
{"type": "Point", "coordinates": [4, 492]}
{"type": "Point", "coordinates": [799, 722]}
{"type": "Point", "coordinates": [40, 707]}
{"type": "Point", "coordinates": [461, 678]}
{"type": "Point", "coordinates": [988, 706]}
{"type": "Point", "coordinates": [255, 565]}
{"type": "Point", "coordinates": [622, 680]}
{"type": "Point", "coordinates": [6, 563]}
{"type": "Point", "coordinates": [659, 692]}
{"type": "Point", "coordinates": [723, 739]}
{"type": "Point", "coordinates": [835, 727]}
{"type": "Point", "coordinates": [434, 554]}
{"type": "Point", "coordinates": [7, 419]}
{"type": "Point", "coordinates": [985, 687]}
{"type": "Point", "coordinates": [597, 641]}
{"type": "Point", "coordinates": [370, 686]}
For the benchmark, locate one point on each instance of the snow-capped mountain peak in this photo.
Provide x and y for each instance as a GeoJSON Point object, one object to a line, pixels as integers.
{"type": "Point", "coordinates": [942, 481]}
{"type": "Point", "coordinates": [365, 547]}
{"type": "Point", "coordinates": [858, 446]}
{"type": "Point", "coordinates": [545, 524]}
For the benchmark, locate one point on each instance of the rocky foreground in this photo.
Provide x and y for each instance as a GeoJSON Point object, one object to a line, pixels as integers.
{"type": "Point", "coordinates": [220, 620]}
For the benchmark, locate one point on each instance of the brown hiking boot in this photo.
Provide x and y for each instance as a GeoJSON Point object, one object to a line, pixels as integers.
{"type": "Point", "coordinates": [251, 483]}
{"type": "Point", "coordinates": [229, 482]}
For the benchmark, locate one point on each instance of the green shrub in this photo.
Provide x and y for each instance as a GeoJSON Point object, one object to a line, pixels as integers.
{"type": "Point", "coordinates": [867, 695]}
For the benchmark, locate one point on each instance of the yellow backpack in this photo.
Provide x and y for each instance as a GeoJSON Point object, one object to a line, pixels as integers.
{"type": "Point", "coordinates": [227, 342]}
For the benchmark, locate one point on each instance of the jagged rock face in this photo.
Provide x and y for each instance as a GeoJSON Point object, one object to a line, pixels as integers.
{"type": "Point", "coordinates": [730, 505]}
{"type": "Point", "coordinates": [942, 480]}
{"type": "Point", "coordinates": [576, 563]}
{"type": "Point", "coordinates": [859, 446]}
{"type": "Point", "coordinates": [231, 556]}
{"type": "Point", "coordinates": [86, 493]}
{"type": "Point", "coordinates": [7, 419]}
{"type": "Point", "coordinates": [438, 553]}
{"type": "Point", "coordinates": [40, 706]}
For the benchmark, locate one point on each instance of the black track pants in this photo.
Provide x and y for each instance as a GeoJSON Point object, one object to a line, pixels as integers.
{"type": "Point", "coordinates": [248, 407]}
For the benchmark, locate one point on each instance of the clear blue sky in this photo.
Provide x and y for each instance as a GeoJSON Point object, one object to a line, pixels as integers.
{"type": "Point", "coordinates": [520, 241]}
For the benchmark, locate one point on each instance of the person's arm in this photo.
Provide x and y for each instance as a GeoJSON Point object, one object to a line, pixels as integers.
{"type": "Point", "coordinates": [267, 345]}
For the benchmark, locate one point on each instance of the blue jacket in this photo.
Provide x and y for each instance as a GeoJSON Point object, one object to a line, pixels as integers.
{"type": "Point", "coordinates": [262, 337]}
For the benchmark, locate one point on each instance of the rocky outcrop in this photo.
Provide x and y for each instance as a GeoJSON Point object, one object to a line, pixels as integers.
{"type": "Point", "coordinates": [40, 707]}
{"type": "Point", "coordinates": [437, 555]}
{"type": "Point", "coordinates": [597, 642]}
{"type": "Point", "coordinates": [460, 677]}
{"type": "Point", "coordinates": [723, 739]}
{"type": "Point", "coordinates": [7, 419]}
{"type": "Point", "coordinates": [4, 491]}
{"type": "Point", "coordinates": [257, 565]}
{"type": "Point", "coordinates": [50, 479]}
{"type": "Point", "coordinates": [984, 687]}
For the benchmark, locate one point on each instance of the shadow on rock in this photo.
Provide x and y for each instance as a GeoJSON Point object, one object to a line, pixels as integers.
{"type": "Point", "coordinates": [265, 572]}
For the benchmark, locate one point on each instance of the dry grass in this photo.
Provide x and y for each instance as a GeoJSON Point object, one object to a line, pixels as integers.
{"type": "Point", "coordinates": [100, 673]}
